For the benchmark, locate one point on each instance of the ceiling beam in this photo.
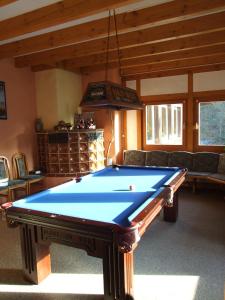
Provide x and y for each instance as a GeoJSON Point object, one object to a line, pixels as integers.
{"type": "Point", "coordinates": [172, 30]}
{"type": "Point", "coordinates": [98, 28]}
{"type": "Point", "coordinates": [183, 63]}
{"type": "Point", "coordinates": [55, 14]}
{"type": "Point", "coordinates": [6, 2]}
{"type": "Point", "coordinates": [190, 42]}
{"type": "Point", "coordinates": [176, 55]}
{"type": "Point", "coordinates": [174, 72]}
{"type": "Point", "coordinates": [159, 65]}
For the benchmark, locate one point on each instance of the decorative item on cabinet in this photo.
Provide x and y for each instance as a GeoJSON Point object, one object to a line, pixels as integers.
{"type": "Point", "coordinates": [63, 126]}
{"type": "Point", "coordinates": [73, 153]}
{"type": "Point", "coordinates": [39, 125]}
{"type": "Point", "coordinates": [84, 120]}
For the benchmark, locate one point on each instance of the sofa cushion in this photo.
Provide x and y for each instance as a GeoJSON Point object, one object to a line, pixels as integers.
{"type": "Point", "coordinates": [134, 157]}
{"type": "Point", "coordinates": [198, 174]}
{"type": "Point", "coordinates": [182, 159]}
{"type": "Point", "coordinates": [221, 165]}
{"type": "Point", "coordinates": [218, 177]}
{"type": "Point", "coordinates": [157, 158]}
{"type": "Point", "coordinates": [205, 162]}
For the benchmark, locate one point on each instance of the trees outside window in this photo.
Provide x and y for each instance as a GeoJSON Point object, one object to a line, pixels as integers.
{"type": "Point", "coordinates": [211, 120]}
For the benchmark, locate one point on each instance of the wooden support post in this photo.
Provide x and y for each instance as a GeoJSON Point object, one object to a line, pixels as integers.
{"type": "Point", "coordinates": [36, 256]}
{"type": "Point", "coordinates": [190, 113]}
{"type": "Point", "coordinates": [118, 274]}
{"type": "Point", "coordinates": [171, 213]}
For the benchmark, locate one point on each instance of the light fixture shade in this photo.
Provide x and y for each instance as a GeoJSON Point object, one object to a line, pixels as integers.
{"type": "Point", "coordinates": [109, 95]}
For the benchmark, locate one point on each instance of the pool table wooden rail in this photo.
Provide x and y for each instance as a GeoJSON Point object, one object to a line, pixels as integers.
{"type": "Point", "coordinates": [126, 237]}
{"type": "Point", "coordinates": [113, 243]}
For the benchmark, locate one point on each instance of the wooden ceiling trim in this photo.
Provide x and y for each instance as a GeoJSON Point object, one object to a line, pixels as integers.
{"type": "Point", "coordinates": [164, 97]}
{"type": "Point", "coordinates": [206, 95]}
{"type": "Point", "coordinates": [6, 2]}
{"type": "Point", "coordinates": [159, 60]}
{"type": "Point", "coordinates": [96, 29]}
{"type": "Point", "coordinates": [190, 42]}
{"type": "Point", "coordinates": [189, 62]}
{"type": "Point", "coordinates": [161, 66]}
{"type": "Point", "coordinates": [167, 11]}
{"type": "Point", "coordinates": [55, 14]}
{"type": "Point", "coordinates": [194, 44]}
{"type": "Point", "coordinates": [171, 56]}
{"type": "Point", "coordinates": [175, 72]}
{"type": "Point", "coordinates": [172, 30]}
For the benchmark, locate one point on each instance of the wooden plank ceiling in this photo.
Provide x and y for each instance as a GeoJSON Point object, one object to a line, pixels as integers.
{"type": "Point", "coordinates": [174, 37]}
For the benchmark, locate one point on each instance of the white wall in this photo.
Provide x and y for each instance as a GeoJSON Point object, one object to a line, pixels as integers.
{"type": "Point", "coordinates": [131, 84]}
{"type": "Point", "coordinates": [164, 85]}
{"type": "Point", "coordinates": [209, 81]}
{"type": "Point", "coordinates": [131, 129]}
{"type": "Point", "coordinates": [131, 122]}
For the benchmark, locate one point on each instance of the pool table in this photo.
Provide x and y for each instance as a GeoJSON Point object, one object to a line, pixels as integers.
{"type": "Point", "coordinates": [105, 213]}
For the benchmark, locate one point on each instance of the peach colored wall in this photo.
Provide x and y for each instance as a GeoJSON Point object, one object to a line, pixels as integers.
{"type": "Point", "coordinates": [17, 132]}
{"type": "Point", "coordinates": [104, 118]}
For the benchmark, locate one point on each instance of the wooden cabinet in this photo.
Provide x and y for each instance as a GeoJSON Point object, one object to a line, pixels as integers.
{"type": "Point", "coordinates": [73, 153]}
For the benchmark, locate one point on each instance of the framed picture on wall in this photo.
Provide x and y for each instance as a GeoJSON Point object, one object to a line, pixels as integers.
{"type": "Point", "coordinates": [3, 110]}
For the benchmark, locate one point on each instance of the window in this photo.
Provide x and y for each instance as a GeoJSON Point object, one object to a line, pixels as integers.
{"type": "Point", "coordinates": [211, 120]}
{"type": "Point", "coordinates": [164, 124]}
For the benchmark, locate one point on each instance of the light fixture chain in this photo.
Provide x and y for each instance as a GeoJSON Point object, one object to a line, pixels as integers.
{"type": "Point", "coordinates": [107, 49]}
{"type": "Point", "coordinates": [117, 42]}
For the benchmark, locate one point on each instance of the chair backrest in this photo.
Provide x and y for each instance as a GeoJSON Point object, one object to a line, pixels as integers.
{"type": "Point", "coordinates": [4, 168]}
{"type": "Point", "coordinates": [20, 164]}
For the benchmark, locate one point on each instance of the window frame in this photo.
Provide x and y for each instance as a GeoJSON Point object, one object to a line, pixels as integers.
{"type": "Point", "coordinates": [166, 147]}
{"type": "Point", "coordinates": [198, 147]}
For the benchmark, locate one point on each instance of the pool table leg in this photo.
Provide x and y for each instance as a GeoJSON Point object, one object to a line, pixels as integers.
{"type": "Point", "coordinates": [118, 274]}
{"type": "Point", "coordinates": [35, 255]}
{"type": "Point", "coordinates": [171, 213]}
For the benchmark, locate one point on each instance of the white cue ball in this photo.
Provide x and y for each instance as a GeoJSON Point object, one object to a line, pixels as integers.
{"type": "Point", "coordinates": [117, 169]}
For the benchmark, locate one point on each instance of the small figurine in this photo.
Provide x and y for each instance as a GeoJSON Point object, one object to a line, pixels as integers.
{"type": "Point", "coordinates": [90, 124]}
{"type": "Point", "coordinates": [61, 126]}
{"type": "Point", "coordinates": [39, 125]}
{"type": "Point", "coordinates": [81, 124]}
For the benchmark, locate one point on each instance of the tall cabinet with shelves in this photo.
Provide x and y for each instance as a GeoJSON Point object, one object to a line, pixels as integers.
{"type": "Point", "coordinates": [72, 153]}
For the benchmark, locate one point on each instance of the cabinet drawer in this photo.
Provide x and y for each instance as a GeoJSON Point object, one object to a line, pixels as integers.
{"type": "Point", "coordinates": [63, 148]}
{"type": "Point", "coordinates": [74, 157]}
{"type": "Point", "coordinates": [53, 168]}
{"type": "Point", "coordinates": [83, 147]}
{"type": "Point", "coordinates": [53, 148]}
{"type": "Point", "coordinates": [53, 158]}
{"type": "Point", "coordinates": [63, 158]}
{"type": "Point", "coordinates": [64, 168]}
{"type": "Point", "coordinates": [84, 157]}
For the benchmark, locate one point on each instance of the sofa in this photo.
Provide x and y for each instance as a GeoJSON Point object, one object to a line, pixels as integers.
{"type": "Point", "coordinates": [201, 165]}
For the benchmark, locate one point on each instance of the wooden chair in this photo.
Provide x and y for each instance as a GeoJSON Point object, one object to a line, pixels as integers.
{"type": "Point", "coordinates": [21, 171]}
{"type": "Point", "coordinates": [8, 186]}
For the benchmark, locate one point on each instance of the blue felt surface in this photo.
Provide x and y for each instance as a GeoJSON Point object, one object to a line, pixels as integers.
{"type": "Point", "coordinates": [102, 196]}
